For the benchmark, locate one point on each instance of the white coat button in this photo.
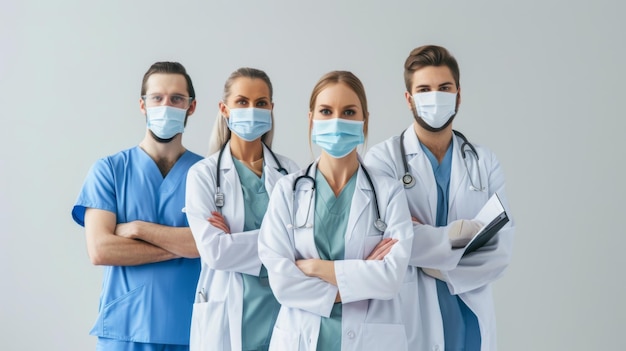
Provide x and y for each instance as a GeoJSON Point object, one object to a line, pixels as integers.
{"type": "Point", "coordinates": [350, 334]}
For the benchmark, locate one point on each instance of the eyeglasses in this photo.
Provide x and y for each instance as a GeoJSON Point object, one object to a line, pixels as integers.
{"type": "Point", "coordinates": [179, 101]}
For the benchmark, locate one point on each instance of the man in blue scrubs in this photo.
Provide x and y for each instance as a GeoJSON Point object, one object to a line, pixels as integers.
{"type": "Point", "coordinates": [131, 205]}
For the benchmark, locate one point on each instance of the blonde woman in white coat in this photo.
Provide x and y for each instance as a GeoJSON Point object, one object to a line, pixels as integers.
{"type": "Point", "coordinates": [226, 199]}
{"type": "Point", "coordinates": [336, 240]}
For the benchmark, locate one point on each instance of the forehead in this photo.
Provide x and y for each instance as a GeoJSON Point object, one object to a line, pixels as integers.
{"type": "Point", "coordinates": [250, 88]}
{"type": "Point", "coordinates": [337, 94]}
{"type": "Point", "coordinates": [432, 75]}
{"type": "Point", "coordinates": [166, 82]}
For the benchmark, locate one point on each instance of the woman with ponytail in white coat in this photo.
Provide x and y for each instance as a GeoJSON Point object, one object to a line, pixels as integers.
{"type": "Point", "coordinates": [226, 199]}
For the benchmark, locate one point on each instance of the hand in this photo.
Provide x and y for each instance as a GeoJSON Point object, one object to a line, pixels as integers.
{"type": "Point", "coordinates": [462, 231]}
{"type": "Point", "coordinates": [381, 249]}
{"type": "Point", "coordinates": [308, 267]}
{"type": "Point", "coordinates": [435, 273]}
{"type": "Point", "coordinates": [128, 230]}
{"type": "Point", "coordinates": [219, 222]}
{"type": "Point", "coordinates": [415, 220]}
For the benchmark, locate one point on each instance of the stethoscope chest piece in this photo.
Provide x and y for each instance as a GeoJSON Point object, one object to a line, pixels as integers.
{"type": "Point", "coordinates": [380, 225]}
{"type": "Point", "coordinates": [408, 180]}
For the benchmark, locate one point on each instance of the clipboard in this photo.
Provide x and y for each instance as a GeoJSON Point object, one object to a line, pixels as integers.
{"type": "Point", "coordinates": [492, 213]}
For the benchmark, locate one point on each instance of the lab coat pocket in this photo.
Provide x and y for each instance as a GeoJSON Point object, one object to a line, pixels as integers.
{"type": "Point", "coordinates": [377, 336]}
{"type": "Point", "coordinates": [208, 326]}
{"type": "Point", "coordinates": [283, 340]}
{"type": "Point", "coordinates": [370, 243]}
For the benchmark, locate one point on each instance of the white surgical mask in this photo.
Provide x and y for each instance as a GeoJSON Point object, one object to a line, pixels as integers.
{"type": "Point", "coordinates": [435, 107]}
{"type": "Point", "coordinates": [166, 121]}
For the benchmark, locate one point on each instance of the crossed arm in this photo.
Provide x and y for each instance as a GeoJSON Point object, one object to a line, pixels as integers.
{"type": "Point", "coordinates": [134, 243]}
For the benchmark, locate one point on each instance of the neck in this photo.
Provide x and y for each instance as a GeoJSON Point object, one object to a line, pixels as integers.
{"type": "Point", "coordinates": [436, 142]}
{"type": "Point", "coordinates": [246, 151]}
{"type": "Point", "coordinates": [338, 171]}
{"type": "Point", "coordinates": [164, 155]}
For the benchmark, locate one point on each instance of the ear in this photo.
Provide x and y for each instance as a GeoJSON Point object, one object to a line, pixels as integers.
{"type": "Point", "coordinates": [458, 98]}
{"type": "Point", "coordinates": [192, 108]}
{"type": "Point", "coordinates": [310, 120]}
{"type": "Point", "coordinates": [142, 106]}
{"type": "Point", "coordinates": [409, 98]}
{"type": "Point", "coordinates": [223, 108]}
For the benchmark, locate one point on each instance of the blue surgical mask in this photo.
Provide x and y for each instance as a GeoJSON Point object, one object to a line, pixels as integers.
{"type": "Point", "coordinates": [166, 121]}
{"type": "Point", "coordinates": [435, 107]}
{"type": "Point", "coordinates": [250, 123]}
{"type": "Point", "coordinates": [337, 136]}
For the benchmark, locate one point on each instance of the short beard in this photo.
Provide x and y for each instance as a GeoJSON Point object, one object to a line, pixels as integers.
{"type": "Point", "coordinates": [426, 126]}
{"type": "Point", "coordinates": [161, 140]}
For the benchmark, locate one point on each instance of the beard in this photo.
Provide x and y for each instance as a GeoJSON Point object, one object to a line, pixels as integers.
{"type": "Point", "coordinates": [427, 126]}
{"type": "Point", "coordinates": [161, 140]}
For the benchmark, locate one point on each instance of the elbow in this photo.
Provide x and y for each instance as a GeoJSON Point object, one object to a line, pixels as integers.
{"type": "Point", "coordinates": [97, 257]}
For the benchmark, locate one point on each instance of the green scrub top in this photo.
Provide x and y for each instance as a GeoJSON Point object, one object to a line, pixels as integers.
{"type": "Point", "coordinates": [260, 307]}
{"type": "Point", "coordinates": [331, 221]}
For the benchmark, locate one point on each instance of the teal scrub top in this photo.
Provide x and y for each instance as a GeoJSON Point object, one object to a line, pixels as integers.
{"type": "Point", "coordinates": [260, 307]}
{"type": "Point", "coordinates": [460, 325]}
{"type": "Point", "coordinates": [331, 221]}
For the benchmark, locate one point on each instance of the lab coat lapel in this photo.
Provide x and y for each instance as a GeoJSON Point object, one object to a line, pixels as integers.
{"type": "Point", "coordinates": [458, 174]}
{"type": "Point", "coordinates": [422, 170]}
{"type": "Point", "coordinates": [360, 201]}
{"type": "Point", "coordinates": [231, 187]}
{"type": "Point", "coordinates": [270, 170]}
{"type": "Point", "coordinates": [304, 202]}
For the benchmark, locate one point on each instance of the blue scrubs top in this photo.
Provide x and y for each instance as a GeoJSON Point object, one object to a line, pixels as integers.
{"type": "Point", "coordinates": [148, 303]}
{"type": "Point", "coordinates": [331, 221]}
{"type": "Point", "coordinates": [460, 325]}
{"type": "Point", "coordinates": [260, 307]}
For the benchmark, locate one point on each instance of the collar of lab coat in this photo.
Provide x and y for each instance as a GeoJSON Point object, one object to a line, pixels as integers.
{"type": "Point", "coordinates": [418, 160]}
{"type": "Point", "coordinates": [361, 199]}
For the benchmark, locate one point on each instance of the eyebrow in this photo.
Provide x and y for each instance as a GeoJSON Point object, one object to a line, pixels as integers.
{"type": "Point", "coordinates": [247, 98]}
{"type": "Point", "coordinates": [347, 106]}
{"type": "Point", "coordinates": [428, 86]}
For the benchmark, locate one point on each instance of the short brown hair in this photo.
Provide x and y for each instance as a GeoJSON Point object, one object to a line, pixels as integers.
{"type": "Point", "coordinates": [429, 55]}
{"type": "Point", "coordinates": [169, 68]}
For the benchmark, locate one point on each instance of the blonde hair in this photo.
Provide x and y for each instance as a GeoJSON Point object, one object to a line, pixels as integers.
{"type": "Point", "coordinates": [220, 133]}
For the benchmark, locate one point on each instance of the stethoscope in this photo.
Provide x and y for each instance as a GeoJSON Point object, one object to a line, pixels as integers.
{"type": "Point", "coordinates": [409, 181]}
{"type": "Point", "coordinates": [379, 224]}
{"type": "Point", "coordinates": [219, 195]}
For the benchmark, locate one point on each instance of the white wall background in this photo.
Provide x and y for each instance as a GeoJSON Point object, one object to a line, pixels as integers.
{"type": "Point", "coordinates": [542, 86]}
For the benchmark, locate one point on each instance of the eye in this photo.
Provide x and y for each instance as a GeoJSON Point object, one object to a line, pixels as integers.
{"type": "Point", "coordinates": [241, 102]}
{"type": "Point", "coordinates": [177, 99]}
{"type": "Point", "coordinates": [326, 112]}
{"type": "Point", "coordinates": [155, 98]}
{"type": "Point", "coordinates": [446, 88]}
{"type": "Point", "coordinates": [261, 104]}
{"type": "Point", "coordinates": [349, 112]}
{"type": "Point", "coordinates": [423, 90]}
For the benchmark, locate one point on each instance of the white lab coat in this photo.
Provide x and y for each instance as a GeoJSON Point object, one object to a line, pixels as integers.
{"type": "Point", "coordinates": [216, 322]}
{"type": "Point", "coordinates": [469, 277]}
{"type": "Point", "coordinates": [372, 318]}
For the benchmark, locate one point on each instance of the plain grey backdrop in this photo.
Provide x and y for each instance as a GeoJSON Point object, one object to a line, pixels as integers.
{"type": "Point", "coordinates": [542, 86]}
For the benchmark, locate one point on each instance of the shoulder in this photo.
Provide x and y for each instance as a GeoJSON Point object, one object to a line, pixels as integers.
{"type": "Point", "coordinates": [386, 147]}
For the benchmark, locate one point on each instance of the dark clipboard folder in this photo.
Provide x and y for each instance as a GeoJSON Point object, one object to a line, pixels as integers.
{"type": "Point", "coordinates": [492, 228]}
